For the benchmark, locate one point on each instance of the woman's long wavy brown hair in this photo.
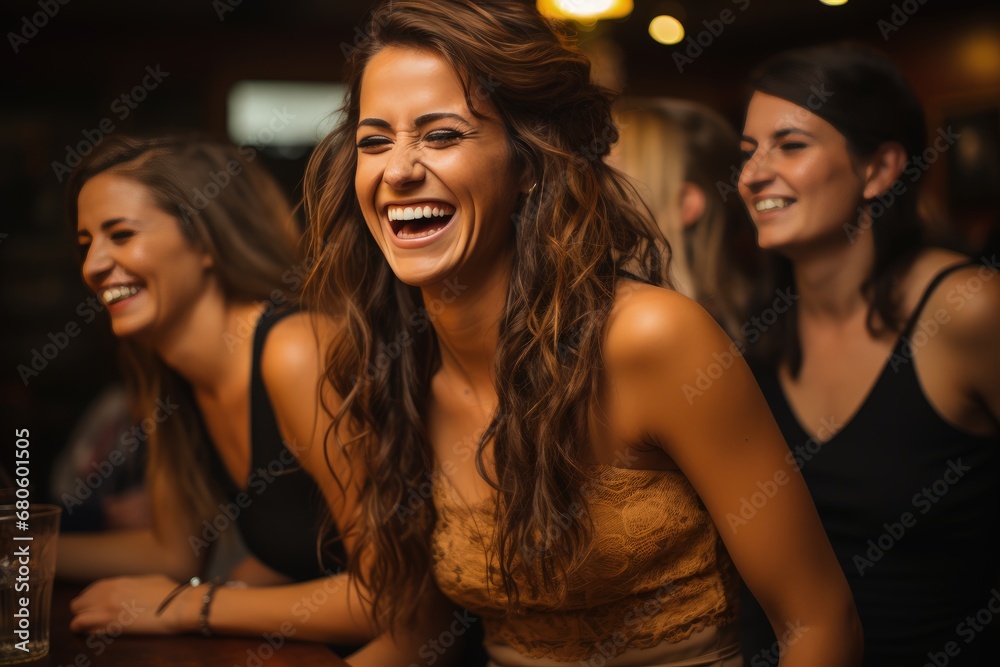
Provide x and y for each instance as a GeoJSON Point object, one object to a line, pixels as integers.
{"type": "Point", "coordinates": [230, 207]}
{"type": "Point", "coordinates": [575, 233]}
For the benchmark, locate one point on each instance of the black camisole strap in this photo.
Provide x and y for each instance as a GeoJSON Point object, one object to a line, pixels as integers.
{"type": "Point", "coordinates": [265, 436]}
{"type": "Point", "coordinates": [944, 273]}
{"type": "Point", "coordinates": [622, 273]}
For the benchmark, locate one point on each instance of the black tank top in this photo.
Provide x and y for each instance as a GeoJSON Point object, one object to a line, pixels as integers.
{"type": "Point", "coordinates": [281, 508]}
{"type": "Point", "coordinates": [912, 507]}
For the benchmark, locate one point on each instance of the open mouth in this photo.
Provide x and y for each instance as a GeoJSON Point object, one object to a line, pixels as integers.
{"type": "Point", "coordinates": [772, 204]}
{"type": "Point", "coordinates": [419, 220]}
{"type": "Point", "coordinates": [118, 293]}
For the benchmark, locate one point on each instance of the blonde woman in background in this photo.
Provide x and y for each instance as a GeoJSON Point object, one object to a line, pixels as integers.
{"type": "Point", "coordinates": [680, 156]}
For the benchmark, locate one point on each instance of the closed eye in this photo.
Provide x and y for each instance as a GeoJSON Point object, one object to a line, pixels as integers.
{"type": "Point", "coordinates": [441, 137]}
{"type": "Point", "coordinates": [122, 235]}
{"type": "Point", "coordinates": [374, 141]}
{"type": "Point", "coordinates": [792, 146]}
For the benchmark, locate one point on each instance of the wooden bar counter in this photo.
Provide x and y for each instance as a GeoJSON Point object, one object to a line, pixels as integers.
{"type": "Point", "coordinates": [72, 650]}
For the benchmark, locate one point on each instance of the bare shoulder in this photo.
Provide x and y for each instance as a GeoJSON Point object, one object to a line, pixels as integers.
{"type": "Point", "coordinates": [295, 348]}
{"type": "Point", "coordinates": [967, 299]}
{"type": "Point", "coordinates": [649, 324]}
{"type": "Point", "coordinates": [928, 264]}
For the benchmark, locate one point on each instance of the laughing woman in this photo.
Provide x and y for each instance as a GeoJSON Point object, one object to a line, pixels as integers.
{"type": "Point", "coordinates": [226, 367]}
{"type": "Point", "coordinates": [521, 373]}
{"type": "Point", "coordinates": [885, 379]}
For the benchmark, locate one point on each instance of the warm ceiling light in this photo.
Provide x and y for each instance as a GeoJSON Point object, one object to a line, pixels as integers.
{"type": "Point", "coordinates": [979, 55]}
{"type": "Point", "coordinates": [585, 10]}
{"type": "Point", "coordinates": [666, 30]}
{"type": "Point", "coordinates": [834, 3]}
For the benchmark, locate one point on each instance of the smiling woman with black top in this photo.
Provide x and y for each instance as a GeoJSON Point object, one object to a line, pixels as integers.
{"type": "Point", "coordinates": [227, 368]}
{"type": "Point", "coordinates": [885, 377]}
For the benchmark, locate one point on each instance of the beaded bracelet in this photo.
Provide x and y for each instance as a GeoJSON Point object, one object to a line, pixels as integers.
{"type": "Point", "coordinates": [206, 603]}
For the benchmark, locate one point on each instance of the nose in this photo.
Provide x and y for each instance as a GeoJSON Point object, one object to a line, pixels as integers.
{"type": "Point", "coordinates": [96, 264]}
{"type": "Point", "coordinates": [757, 172]}
{"type": "Point", "coordinates": [404, 168]}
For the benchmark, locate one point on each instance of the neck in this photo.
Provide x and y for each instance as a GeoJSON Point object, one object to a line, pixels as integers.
{"type": "Point", "coordinates": [205, 346]}
{"type": "Point", "coordinates": [465, 312]}
{"type": "Point", "coordinates": [829, 280]}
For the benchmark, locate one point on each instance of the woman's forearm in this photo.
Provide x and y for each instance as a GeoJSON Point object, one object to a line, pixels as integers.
{"type": "Point", "coordinates": [86, 557]}
{"type": "Point", "coordinates": [327, 610]}
{"type": "Point", "coordinates": [839, 642]}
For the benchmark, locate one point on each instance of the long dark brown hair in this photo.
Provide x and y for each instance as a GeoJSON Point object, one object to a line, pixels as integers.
{"type": "Point", "coordinates": [865, 97]}
{"type": "Point", "coordinates": [231, 208]}
{"type": "Point", "coordinates": [574, 232]}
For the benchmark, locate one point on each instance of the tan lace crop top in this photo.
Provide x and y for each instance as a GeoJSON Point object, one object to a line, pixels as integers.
{"type": "Point", "coordinates": [656, 572]}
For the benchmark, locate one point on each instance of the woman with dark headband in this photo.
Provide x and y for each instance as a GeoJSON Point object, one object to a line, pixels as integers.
{"type": "Point", "coordinates": [514, 368]}
{"type": "Point", "coordinates": [885, 376]}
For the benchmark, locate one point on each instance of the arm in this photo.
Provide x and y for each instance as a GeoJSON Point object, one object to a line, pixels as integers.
{"type": "Point", "coordinates": [328, 609]}
{"type": "Point", "coordinates": [973, 338]}
{"type": "Point", "coordinates": [727, 444]}
{"type": "Point", "coordinates": [299, 419]}
{"type": "Point", "coordinates": [164, 551]}
{"type": "Point", "coordinates": [437, 637]}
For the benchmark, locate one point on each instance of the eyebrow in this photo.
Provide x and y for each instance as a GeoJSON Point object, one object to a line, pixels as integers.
{"type": "Point", "coordinates": [779, 134]}
{"type": "Point", "coordinates": [104, 226]}
{"type": "Point", "coordinates": [419, 121]}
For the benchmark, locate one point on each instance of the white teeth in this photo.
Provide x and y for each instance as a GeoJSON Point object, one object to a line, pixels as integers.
{"type": "Point", "coordinates": [417, 235]}
{"type": "Point", "coordinates": [769, 204]}
{"type": "Point", "coordinates": [117, 293]}
{"type": "Point", "coordinates": [417, 212]}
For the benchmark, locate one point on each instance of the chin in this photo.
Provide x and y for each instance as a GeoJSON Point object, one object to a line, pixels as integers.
{"type": "Point", "coordinates": [128, 328]}
{"type": "Point", "coordinates": [421, 272]}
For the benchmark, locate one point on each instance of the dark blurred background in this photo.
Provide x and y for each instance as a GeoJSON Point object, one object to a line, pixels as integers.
{"type": "Point", "coordinates": [67, 66]}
